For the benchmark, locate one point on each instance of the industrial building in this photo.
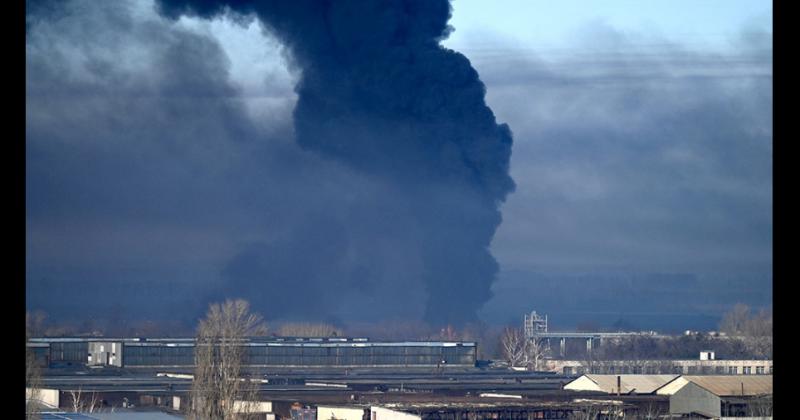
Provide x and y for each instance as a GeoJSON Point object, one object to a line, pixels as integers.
{"type": "Point", "coordinates": [664, 366]}
{"type": "Point", "coordinates": [710, 396]}
{"type": "Point", "coordinates": [260, 352]}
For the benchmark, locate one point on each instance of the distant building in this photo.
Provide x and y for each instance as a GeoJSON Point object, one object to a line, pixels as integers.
{"type": "Point", "coordinates": [661, 367]}
{"type": "Point", "coordinates": [259, 352]}
{"type": "Point", "coordinates": [709, 396]}
{"type": "Point", "coordinates": [620, 384]}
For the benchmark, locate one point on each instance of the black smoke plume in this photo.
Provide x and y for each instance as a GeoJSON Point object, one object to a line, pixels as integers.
{"type": "Point", "coordinates": [378, 93]}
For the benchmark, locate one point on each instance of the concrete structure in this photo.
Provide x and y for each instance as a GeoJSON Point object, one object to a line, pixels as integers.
{"type": "Point", "coordinates": [535, 326]}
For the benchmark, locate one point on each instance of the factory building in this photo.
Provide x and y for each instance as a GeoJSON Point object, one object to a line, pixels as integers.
{"type": "Point", "coordinates": [275, 352]}
{"type": "Point", "coordinates": [711, 396]}
{"type": "Point", "coordinates": [652, 367]}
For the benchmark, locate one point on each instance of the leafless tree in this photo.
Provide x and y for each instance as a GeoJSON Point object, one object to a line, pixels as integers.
{"type": "Point", "coordinates": [309, 329]}
{"type": "Point", "coordinates": [33, 373]}
{"type": "Point", "coordinates": [754, 329]}
{"type": "Point", "coordinates": [760, 407]}
{"type": "Point", "coordinates": [35, 323]}
{"type": "Point", "coordinates": [513, 345]}
{"type": "Point", "coordinates": [594, 411]}
{"type": "Point", "coordinates": [219, 390]}
{"type": "Point", "coordinates": [536, 350]}
{"type": "Point", "coordinates": [651, 411]}
{"type": "Point", "coordinates": [81, 403]}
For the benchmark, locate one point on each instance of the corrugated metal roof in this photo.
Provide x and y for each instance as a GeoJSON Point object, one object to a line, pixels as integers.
{"type": "Point", "coordinates": [733, 385]}
{"type": "Point", "coordinates": [640, 384]}
{"type": "Point", "coordinates": [672, 387]}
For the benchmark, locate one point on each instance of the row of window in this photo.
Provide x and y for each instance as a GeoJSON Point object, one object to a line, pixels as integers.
{"type": "Point", "coordinates": [654, 370]}
{"type": "Point", "coordinates": [162, 356]}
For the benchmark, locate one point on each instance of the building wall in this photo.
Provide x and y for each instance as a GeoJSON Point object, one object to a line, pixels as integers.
{"type": "Point", "coordinates": [339, 413]}
{"type": "Point", "coordinates": [679, 367]}
{"type": "Point", "coordinates": [162, 354]}
{"type": "Point", "coordinates": [180, 353]}
{"type": "Point", "coordinates": [691, 398]}
{"type": "Point", "coordinates": [49, 397]}
{"type": "Point", "coordinates": [105, 353]}
{"type": "Point", "coordinates": [69, 353]}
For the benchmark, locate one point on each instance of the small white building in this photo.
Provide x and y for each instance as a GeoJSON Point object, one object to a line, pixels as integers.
{"type": "Point", "coordinates": [686, 397]}
{"type": "Point", "coordinates": [382, 413]}
{"type": "Point", "coordinates": [339, 413]}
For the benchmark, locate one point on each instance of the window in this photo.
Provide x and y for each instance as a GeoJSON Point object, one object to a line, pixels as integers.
{"type": "Point", "coordinates": [692, 370]}
{"type": "Point", "coordinates": [747, 370]}
{"type": "Point", "coordinates": [567, 370]}
{"type": "Point", "coordinates": [733, 370]}
{"type": "Point", "coordinates": [770, 370]}
{"type": "Point", "coordinates": [719, 370]}
{"type": "Point", "coordinates": [759, 370]}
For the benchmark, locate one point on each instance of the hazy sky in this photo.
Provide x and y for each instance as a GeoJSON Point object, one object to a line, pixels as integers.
{"type": "Point", "coordinates": [161, 164]}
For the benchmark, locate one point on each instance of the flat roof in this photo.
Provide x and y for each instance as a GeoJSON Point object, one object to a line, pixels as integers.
{"type": "Point", "coordinates": [261, 341]}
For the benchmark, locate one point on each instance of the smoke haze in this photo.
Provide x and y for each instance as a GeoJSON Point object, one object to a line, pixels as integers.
{"type": "Point", "coordinates": [402, 220]}
{"type": "Point", "coordinates": [330, 167]}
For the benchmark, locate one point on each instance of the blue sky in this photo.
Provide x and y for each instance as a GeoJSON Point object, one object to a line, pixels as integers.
{"type": "Point", "coordinates": [642, 157]}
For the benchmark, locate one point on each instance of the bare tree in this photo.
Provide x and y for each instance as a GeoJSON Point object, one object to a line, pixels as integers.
{"type": "Point", "coordinates": [594, 411]}
{"type": "Point", "coordinates": [755, 330]}
{"type": "Point", "coordinates": [760, 407]}
{"type": "Point", "coordinates": [35, 323]}
{"type": "Point", "coordinates": [33, 373]}
{"type": "Point", "coordinates": [536, 351]}
{"type": "Point", "coordinates": [512, 342]}
{"type": "Point", "coordinates": [218, 389]}
{"type": "Point", "coordinates": [651, 411]}
{"type": "Point", "coordinates": [81, 403]}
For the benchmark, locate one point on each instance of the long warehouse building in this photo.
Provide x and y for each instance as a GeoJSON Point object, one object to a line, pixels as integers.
{"type": "Point", "coordinates": [260, 352]}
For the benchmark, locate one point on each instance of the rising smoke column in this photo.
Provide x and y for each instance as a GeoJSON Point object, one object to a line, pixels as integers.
{"type": "Point", "coordinates": [378, 93]}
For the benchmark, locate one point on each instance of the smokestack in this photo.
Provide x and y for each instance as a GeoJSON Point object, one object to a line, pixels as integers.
{"type": "Point", "coordinates": [378, 93]}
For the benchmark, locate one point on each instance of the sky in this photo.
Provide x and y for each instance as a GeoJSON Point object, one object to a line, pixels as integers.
{"type": "Point", "coordinates": [163, 169]}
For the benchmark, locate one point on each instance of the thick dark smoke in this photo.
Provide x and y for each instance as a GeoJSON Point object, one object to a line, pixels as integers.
{"type": "Point", "coordinates": [378, 93]}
